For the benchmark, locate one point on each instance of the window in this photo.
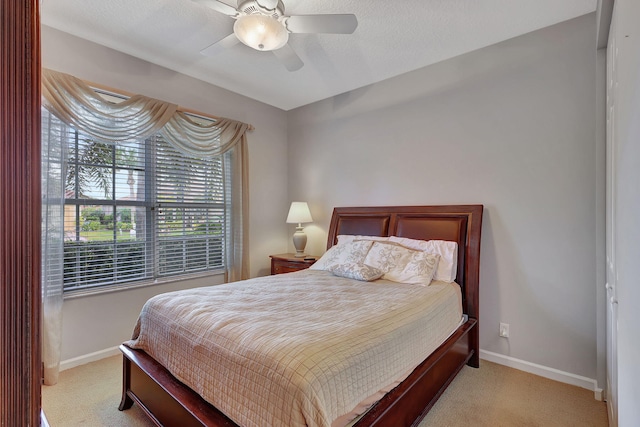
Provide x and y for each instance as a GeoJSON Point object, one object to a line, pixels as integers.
{"type": "Point", "coordinates": [190, 212]}
{"type": "Point", "coordinates": [137, 210]}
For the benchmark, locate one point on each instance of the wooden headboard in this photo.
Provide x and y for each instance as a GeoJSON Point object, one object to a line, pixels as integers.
{"type": "Point", "coordinates": [458, 223]}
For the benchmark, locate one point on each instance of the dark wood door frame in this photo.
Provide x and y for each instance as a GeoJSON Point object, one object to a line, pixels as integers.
{"type": "Point", "coordinates": [20, 358]}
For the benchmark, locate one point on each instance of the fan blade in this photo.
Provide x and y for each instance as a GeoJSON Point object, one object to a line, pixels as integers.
{"type": "Point", "coordinates": [268, 4]}
{"type": "Point", "coordinates": [289, 58]}
{"type": "Point", "coordinates": [218, 6]}
{"type": "Point", "coordinates": [334, 24]}
{"type": "Point", "coordinates": [220, 45]}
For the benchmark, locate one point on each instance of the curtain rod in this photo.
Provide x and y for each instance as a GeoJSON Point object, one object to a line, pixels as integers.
{"type": "Point", "coordinates": [129, 94]}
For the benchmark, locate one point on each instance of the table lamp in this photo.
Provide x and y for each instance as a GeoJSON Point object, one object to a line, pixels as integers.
{"type": "Point", "coordinates": [298, 214]}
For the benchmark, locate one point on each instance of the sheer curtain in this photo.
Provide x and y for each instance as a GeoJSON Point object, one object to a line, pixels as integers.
{"type": "Point", "coordinates": [79, 106]}
{"type": "Point", "coordinates": [52, 179]}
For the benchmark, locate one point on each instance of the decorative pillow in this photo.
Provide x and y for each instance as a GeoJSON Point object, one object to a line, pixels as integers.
{"type": "Point", "coordinates": [346, 238]}
{"type": "Point", "coordinates": [346, 253]}
{"type": "Point", "coordinates": [403, 265]}
{"type": "Point", "coordinates": [448, 251]}
{"type": "Point", "coordinates": [355, 271]}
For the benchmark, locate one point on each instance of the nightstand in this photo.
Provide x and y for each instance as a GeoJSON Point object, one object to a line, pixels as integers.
{"type": "Point", "coordinates": [286, 263]}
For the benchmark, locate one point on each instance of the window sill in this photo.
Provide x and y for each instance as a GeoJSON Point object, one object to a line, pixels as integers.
{"type": "Point", "coordinates": [105, 289]}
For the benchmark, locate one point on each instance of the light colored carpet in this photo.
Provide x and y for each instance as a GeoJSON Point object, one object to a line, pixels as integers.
{"type": "Point", "coordinates": [492, 396]}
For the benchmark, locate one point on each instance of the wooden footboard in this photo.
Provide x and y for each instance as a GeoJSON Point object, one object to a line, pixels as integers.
{"type": "Point", "coordinates": [168, 402]}
{"type": "Point", "coordinates": [407, 404]}
{"type": "Point", "coordinates": [165, 400]}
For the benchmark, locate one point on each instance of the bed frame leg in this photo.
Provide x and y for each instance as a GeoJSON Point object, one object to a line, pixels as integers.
{"type": "Point", "coordinates": [127, 401]}
{"type": "Point", "coordinates": [474, 344]}
{"type": "Point", "coordinates": [474, 362]}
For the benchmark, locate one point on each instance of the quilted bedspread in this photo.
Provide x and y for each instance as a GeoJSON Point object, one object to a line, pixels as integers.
{"type": "Point", "coordinates": [298, 349]}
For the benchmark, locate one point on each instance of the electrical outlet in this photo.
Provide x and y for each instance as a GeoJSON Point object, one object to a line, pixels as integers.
{"type": "Point", "coordinates": [504, 330]}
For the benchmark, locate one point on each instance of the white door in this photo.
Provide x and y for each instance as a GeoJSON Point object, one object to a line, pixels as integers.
{"type": "Point", "coordinates": [612, 302]}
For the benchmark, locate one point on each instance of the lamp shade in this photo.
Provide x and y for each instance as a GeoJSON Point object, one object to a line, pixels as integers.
{"type": "Point", "coordinates": [299, 213]}
{"type": "Point", "coordinates": [261, 32]}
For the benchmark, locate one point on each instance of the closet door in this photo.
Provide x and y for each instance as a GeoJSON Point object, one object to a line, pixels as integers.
{"type": "Point", "coordinates": [612, 302]}
{"type": "Point", "coordinates": [624, 275]}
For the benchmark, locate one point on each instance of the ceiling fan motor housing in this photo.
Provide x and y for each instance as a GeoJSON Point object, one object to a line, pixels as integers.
{"type": "Point", "coordinates": [250, 7]}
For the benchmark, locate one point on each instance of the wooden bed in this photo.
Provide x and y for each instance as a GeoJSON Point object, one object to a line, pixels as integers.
{"type": "Point", "coordinates": [168, 402]}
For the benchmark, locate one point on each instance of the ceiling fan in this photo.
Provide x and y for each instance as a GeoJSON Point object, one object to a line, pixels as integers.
{"type": "Point", "coordinates": [262, 25]}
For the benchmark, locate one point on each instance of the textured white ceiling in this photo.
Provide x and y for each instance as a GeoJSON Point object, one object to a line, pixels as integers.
{"type": "Point", "coordinates": [393, 37]}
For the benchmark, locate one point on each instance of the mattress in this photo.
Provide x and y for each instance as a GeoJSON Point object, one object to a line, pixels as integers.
{"type": "Point", "coordinates": [298, 349]}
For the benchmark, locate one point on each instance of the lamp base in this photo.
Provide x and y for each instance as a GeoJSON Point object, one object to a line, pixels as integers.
{"type": "Point", "coordinates": [299, 241]}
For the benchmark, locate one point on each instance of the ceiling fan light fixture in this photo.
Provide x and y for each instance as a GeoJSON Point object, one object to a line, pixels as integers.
{"type": "Point", "coordinates": [261, 32]}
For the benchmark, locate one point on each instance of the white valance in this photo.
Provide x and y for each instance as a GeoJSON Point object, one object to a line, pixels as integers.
{"type": "Point", "coordinates": [197, 139]}
{"type": "Point", "coordinates": [80, 107]}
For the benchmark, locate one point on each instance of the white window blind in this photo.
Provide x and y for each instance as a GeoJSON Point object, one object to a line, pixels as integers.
{"type": "Point", "coordinates": [190, 211]}
{"type": "Point", "coordinates": [137, 210]}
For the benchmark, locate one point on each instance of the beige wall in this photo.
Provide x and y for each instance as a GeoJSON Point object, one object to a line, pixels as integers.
{"type": "Point", "coordinates": [95, 323]}
{"type": "Point", "coordinates": [510, 126]}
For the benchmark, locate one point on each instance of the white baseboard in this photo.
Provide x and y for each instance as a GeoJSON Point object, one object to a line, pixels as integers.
{"type": "Point", "coordinates": [91, 357]}
{"type": "Point", "coordinates": [544, 371]}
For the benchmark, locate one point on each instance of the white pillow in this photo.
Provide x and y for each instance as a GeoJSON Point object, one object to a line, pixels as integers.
{"type": "Point", "coordinates": [403, 265]}
{"type": "Point", "coordinates": [346, 253]}
{"type": "Point", "coordinates": [346, 238]}
{"type": "Point", "coordinates": [357, 271]}
{"type": "Point", "coordinates": [448, 251]}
